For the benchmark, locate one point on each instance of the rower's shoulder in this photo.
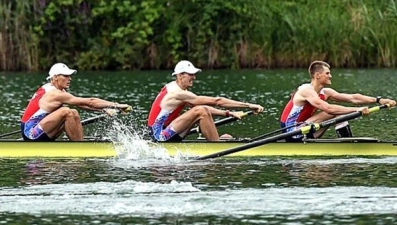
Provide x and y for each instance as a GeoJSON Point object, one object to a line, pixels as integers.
{"type": "Point", "coordinates": [57, 95]}
{"type": "Point", "coordinates": [181, 94]}
{"type": "Point", "coordinates": [305, 85]}
{"type": "Point", "coordinates": [55, 92]}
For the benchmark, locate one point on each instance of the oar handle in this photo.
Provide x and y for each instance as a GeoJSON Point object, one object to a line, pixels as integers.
{"type": "Point", "coordinates": [221, 122]}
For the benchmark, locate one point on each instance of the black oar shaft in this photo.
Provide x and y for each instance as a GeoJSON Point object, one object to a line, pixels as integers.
{"type": "Point", "coordinates": [303, 130]}
{"type": "Point", "coordinates": [10, 133]}
{"type": "Point", "coordinates": [221, 122]}
{"type": "Point", "coordinates": [251, 145]}
{"type": "Point", "coordinates": [274, 132]}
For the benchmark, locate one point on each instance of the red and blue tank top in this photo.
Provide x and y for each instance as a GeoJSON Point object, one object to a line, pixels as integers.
{"type": "Point", "coordinates": [162, 117]}
{"type": "Point", "coordinates": [293, 114]}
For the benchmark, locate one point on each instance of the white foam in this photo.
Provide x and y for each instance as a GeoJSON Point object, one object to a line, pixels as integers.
{"type": "Point", "coordinates": [130, 143]}
{"type": "Point", "coordinates": [131, 197]}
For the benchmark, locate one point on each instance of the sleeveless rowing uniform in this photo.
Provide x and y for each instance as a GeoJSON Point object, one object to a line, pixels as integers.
{"type": "Point", "coordinates": [159, 119]}
{"type": "Point", "coordinates": [294, 114]}
{"type": "Point", "coordinates": [30, 128]}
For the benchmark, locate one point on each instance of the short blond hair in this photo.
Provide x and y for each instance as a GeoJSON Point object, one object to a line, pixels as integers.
{"type": "Point", "coordinates": [317, 66]}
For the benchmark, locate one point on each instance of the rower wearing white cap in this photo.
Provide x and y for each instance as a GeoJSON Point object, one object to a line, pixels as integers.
{"type": "Point", "coordinates": [46, 117]}
{"type": "Point", "coordinates": [166, 123]}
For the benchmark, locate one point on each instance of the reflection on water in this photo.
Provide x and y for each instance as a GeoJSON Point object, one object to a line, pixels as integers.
{"type": "Point", "coordinates": [217, 175]}
{"type": "Point", "coordinates": [172, 219]}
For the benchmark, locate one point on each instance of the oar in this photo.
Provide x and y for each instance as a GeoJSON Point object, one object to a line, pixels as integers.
{"type": "Point", "coordinates": [221, 122]}
{"type": "Point", "coordinates": [10, 133]}
{"type": "Point", "coordinates": [303, 130]}
{"type": "Point", "coordinates": [83, 122]}
{"type": "Point", "coordinates": [93, 119]}
{"type": "Point", "coordinates": [103, 116]}
{"type": "Point", "coordinates": [274, 132]}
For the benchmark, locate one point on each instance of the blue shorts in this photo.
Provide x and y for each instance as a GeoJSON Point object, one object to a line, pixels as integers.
{"type": "Point", "coordinates": [31, 131]}
{"type": "Point", "coordinates": [164, 135]}
{"type": "Point", "coordinates": [296, 138]}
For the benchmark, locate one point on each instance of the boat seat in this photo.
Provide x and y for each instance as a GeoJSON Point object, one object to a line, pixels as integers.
{"type": "Point", "coordinates": [348, 139]}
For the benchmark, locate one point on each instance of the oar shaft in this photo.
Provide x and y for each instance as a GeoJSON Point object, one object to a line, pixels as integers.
{"type": "Point", "coordinates": [221, 122]}
{"type": "Point", "coordinates": [93, 119]}
{"type": "Point", "coordinates": [250, 145]}
{"type": "Point", "coordinates": [10, 133]}
{"type": "Point", "coordinates": [274, 132]}
{"type": "Point", "coordinates": [303, 130]}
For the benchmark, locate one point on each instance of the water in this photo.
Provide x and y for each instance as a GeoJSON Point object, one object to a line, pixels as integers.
{"type": "Point", "coordinates": [151, 188]}
{"type": "Point", "coordinates": [237, 191]}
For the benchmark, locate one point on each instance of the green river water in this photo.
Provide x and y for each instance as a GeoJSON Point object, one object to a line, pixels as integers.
{"type": "Point", "coordinates": [164, 190]}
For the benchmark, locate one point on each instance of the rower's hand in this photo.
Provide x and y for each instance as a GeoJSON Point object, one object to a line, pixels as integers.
{"type": "Point", "coordinates": [110, 112]}
{"type": "Point", "coordinates": [256, 108]}
{"type": "Point", "coordinates": [386, 101]}
{"type": "Point", "coordinates": [124, 108]}
{"type": "Point", "coordinates": [364, 110]}
{"type": "Point", "coordinates": [118, 108]}
{"type": "Point", "coordinates": [235, 115]}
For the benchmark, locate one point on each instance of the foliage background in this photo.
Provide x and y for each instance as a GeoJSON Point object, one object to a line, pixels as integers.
{"type": "Point", "coordinates": [155, 34]}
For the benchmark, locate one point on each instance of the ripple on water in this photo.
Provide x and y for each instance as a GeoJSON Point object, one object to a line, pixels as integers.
{"type": "Point", "coordinates": [179, 198]}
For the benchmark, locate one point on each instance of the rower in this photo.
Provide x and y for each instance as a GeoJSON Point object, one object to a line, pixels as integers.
{"type": "Point", "coordinates": [46, 118]}
{"type": "Point", "coordinates": [311, 97]}
{"type": "Point", "coordinates": [166, 122]}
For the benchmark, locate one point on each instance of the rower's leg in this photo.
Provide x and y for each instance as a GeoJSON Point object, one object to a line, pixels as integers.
{"type": "Point", "coordinates": [318, 118]}
{"type": "Point", "coordinates": [200, 114]}
{"type": "Point", "coordinates": [63, 119]}
{"type": "Point", "coordinates": [73, 126]}
{"type": "Point", "coordinates": [60, 130]}
{"type": "Point", "coordinates": [343, 130]}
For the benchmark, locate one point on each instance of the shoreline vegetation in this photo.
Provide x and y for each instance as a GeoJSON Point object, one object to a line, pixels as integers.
{"type": "Point", "coordinates": [233, 34]}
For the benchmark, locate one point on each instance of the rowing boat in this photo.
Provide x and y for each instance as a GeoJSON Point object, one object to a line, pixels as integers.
{"type": "Point", "coordinates": [106, 149]}
{"type": "Point", "coordinates": [264, 145]}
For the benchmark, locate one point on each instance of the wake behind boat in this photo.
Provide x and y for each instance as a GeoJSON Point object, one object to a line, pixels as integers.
{"type": "Point", "coordinates": [106, 149]}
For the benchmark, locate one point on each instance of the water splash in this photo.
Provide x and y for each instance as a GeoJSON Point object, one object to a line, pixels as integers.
{"type": "Point", "coordinates": [131, 143]}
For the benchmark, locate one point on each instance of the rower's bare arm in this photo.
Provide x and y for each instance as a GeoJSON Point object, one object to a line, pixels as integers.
{"type": "Point", "coordinates": [87, 103]}
{"type": "Point", "coordinates": [357, 99]}
{"type": "Point", "coordinates": [190, 99]}
{"type": "Point", "coordinates": [229, 103]}
{"type": "Point", "coordinates": [88, 108]}
{"type": "Point", "coordinates": [351, 98]}
{"type": "Point", "coordinates": [222, 102]}
{"type": "Point", "coordinates": [312, 97]}
{"type": "Point", "coordinates": [227, 113]}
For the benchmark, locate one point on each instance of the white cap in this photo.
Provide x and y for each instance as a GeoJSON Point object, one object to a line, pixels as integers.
{"type": "Point", "coordinates": [185, 66]}
{"type": "Point", "coordinates": [60, 69]}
